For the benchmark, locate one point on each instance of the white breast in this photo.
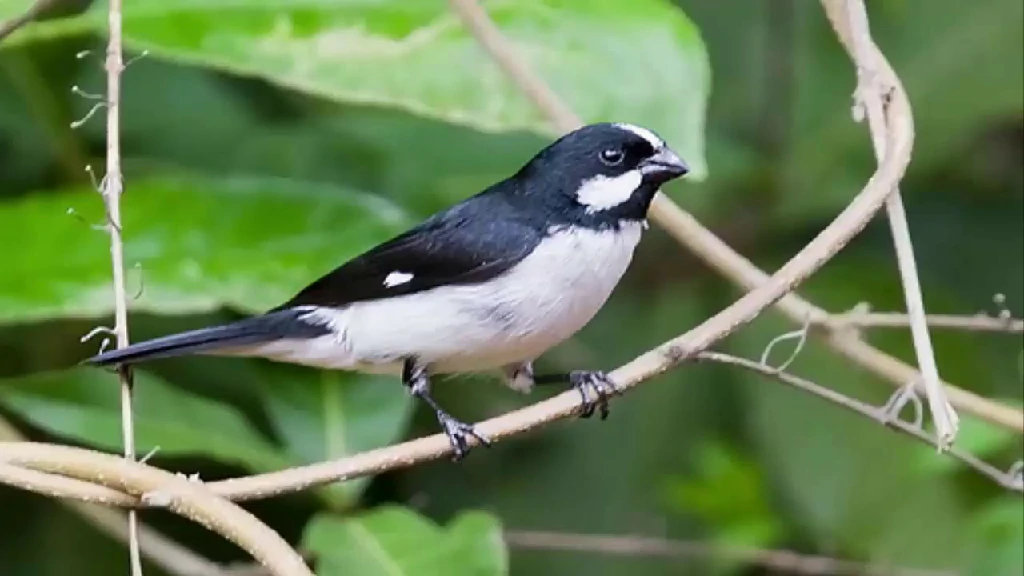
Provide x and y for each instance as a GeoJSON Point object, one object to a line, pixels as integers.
{"type": "Point", "coordinates": [537, 304]}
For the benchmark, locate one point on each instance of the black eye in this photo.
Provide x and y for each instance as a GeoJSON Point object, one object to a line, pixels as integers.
{"type": "Point", "coordinates": [612, 156]}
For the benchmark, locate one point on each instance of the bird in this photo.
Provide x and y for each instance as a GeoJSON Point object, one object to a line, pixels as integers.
{"type": "Point", "coordinates": [486, 285]}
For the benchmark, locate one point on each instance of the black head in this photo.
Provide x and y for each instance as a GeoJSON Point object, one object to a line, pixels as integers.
{"type": "Point", "coordinates": [599, 175]}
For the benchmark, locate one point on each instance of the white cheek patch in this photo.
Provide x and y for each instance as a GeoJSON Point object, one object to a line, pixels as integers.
{"type": "Point", "coordinates": [397, 278]}
{"type": "Point", "coordinates": [651, 137]}
{"type": "Point", "coordinates": [601, 192]}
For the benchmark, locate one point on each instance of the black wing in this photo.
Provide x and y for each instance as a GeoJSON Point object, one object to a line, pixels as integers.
{"type": "Point", "coordinates": [471, 242]}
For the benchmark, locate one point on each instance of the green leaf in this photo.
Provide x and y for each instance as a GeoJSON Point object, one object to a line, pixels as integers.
{"type": "Point", "coordinates": [392, 541]}
{"type": "Point", "coordinates": [84, 404]}
{"type": "Point", "coordinates": [325, 415]}
{"type": "Point", "coordinates": [199, 245]}
{"type": "Point", "coordinates": [416, 56]}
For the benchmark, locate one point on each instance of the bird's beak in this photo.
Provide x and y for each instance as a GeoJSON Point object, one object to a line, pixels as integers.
{"type": "Point", "coordinates": [664, 165]}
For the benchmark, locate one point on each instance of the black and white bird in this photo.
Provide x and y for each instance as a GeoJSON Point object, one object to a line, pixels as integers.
{"type": "Point", "coordinates": [487, 285]}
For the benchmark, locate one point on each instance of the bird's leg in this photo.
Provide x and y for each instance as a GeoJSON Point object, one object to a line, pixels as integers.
{"type": "Point", "coordinates": [415, 377]}
{"type": "Point", "coordinates": [595, 388]}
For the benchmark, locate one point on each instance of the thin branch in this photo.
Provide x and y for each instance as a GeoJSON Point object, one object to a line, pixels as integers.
{"type": "Point", "coordinates": [171, 557]}
{"type": "Point", "coordinates": [161, 551]}
{"type": "Point", "coordinates": [112, 187]}
{"type": "Point", "coordinates": [157, 488]}
{"type": "Point", "coordinates": [504, 54]}
{"type": "Point", "coordinates": [37, 9]}
{"type": "Point", "coordinates": [783, 561]}
{"type": "Point", "coordinates": [977, 323]}
{"type": "Point", "coordinates": [1007, 480]}
{"type": "Point", "coordinates": [686, 230]}
{"type": "Point", "coordinates": [871, 99]}
{"type": "Point", "coordinates": [62, 487]}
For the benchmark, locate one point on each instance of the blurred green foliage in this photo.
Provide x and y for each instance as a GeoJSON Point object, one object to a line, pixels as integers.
{"type": "Point", "coordinates": [266, 142]}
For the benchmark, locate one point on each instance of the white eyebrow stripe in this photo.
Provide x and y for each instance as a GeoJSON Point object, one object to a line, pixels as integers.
{"type": "Point", "coordinates": [651, 137]}
{"type": "Point", "coordinates": [396, 278]}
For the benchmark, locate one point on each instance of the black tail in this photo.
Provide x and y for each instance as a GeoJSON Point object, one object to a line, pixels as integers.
{"type": "Point", "coordinates": [257, 330]}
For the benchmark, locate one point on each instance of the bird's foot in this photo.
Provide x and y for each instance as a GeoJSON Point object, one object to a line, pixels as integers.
{"type": "Point", "coordinates": [459, 434]}
{"type": "Point", "coordinates": [595, 389]}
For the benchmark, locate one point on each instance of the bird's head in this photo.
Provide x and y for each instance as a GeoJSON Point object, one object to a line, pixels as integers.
{"type": "Point", "coordinates": [602, 174]}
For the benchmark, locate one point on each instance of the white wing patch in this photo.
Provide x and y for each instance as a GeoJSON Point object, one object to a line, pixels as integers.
{"type": "Point", "coordinates": [397, 278]}
{"type": "Point", "coordinates": [656, 142]}
{"type": "Point", "coordinates": [601, 192]}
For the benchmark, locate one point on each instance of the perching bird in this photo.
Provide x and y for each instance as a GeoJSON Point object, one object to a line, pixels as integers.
{"type": "Point", "coordinates": [488, 284]}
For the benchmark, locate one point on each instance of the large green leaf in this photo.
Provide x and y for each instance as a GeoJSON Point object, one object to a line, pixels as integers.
{"type": "Point", "coordinates": [200, 244]}
{"type": "Point", "coordinates": [84, 404]}
{"type": "Point", "coordinates": [641, 61]}
{"type": "Point", "coordinates": [324, 415]}
{"type": "Point", "coordinates": [393, 541]}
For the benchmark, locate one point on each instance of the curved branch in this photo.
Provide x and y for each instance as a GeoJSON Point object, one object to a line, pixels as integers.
{"type": "Point", "coordinates": [686, 230]}
{"type": "Point", "coordinates": [1008, 481]}
{"type": "Point", "coordinates": [156, 488]}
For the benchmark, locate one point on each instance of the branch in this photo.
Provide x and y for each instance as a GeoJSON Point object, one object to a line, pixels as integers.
{"type": "Point", "coordinates": [168, 555]}
{"type": "Point", "coordinates": [871, 99]}
{"type": "Point", "coordinates": [856, 320]}
{"type": "Point", "coordinates": [171, 557]}
{"type": "Point", "coordinates": [37, 9]}
{"type": "Point", "coordinates": [154, 488]}
{"type": "Point", "coordinates": [111, 188]}
{"type": "Point", "coordinates": [782, 561]}
{"type": "Point", "coordinates": [686, 230]}
{"type": "Point", "coordinates": [1010, 480]}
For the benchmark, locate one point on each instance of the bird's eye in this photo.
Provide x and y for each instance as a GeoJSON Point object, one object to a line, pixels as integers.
{"type": "Point", "coordinates": [612, 156]}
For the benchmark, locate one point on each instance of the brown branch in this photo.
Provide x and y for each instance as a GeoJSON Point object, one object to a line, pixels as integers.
{"type": "Point", "coordinates": [1009, 480]}
{"type": "Point", "coordinates": [978, 323]}
{"type": "Point", "coordinates": [111, 188]}
{"type": "Point", "coordinates": [783, 561]}
{"type": "Point", "coordinates": [686, 230]}
{"type": "Point", "coordinates": [78, 496]}
{"type": "Point", "coordinates": [161, 551]}
{"type": "Point", "coordinates": [37, 9]}
{"type": "Point", "coordinates": [871, 99]}
{"type": "Point", "coordinates": [64, 488]}
{"type": "Point", "coordinates": [156, 488]}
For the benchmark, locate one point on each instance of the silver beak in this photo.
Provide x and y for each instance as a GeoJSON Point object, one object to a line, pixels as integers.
{"type": "Point", "coordinates": [666, 165]}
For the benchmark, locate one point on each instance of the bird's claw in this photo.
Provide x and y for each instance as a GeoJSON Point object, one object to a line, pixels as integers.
{"type": "Point", "coordinates": [595, 389]}
{"type": "Point", "coordinates": [459, 434]}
